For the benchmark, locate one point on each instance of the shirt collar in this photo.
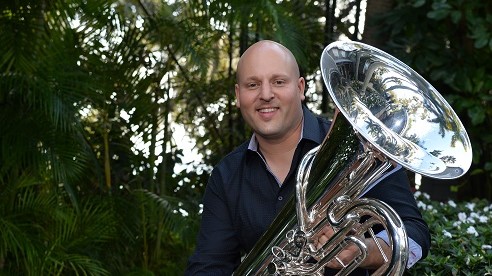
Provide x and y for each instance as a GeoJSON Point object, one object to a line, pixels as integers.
{"type": "Point", "coordinates": [310, 130]}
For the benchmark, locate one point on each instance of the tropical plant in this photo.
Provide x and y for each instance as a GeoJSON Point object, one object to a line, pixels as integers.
{"type": "Point", "coordinates": [41, 234]}
{"type": "Point", "coordinates": [460, 237]}
{"type": "Point", "coordinates": [70, 71]}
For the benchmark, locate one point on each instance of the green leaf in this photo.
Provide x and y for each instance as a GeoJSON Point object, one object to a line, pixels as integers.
{"type": "Point", "coordinates": [455, 16]}
{"type": "Point", "coordinates": [418, 3]}
{"type": "Point", "coordinates": [488, 166]}
{"type": "Point", "coordinates": [477, 115]}
{"type": "Point", "coordinates": [481, 42]}
{"type": "Point", "coordinates": [454, 188]}
{"type": "Point", "coordinates": [438, 14]}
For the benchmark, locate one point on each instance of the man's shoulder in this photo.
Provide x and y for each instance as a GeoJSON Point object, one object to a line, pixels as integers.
{"type": "Point", "coordinates": [315, 126]}
{"type": "Point", "coordinates": [226, 172]}
{"type": "Point", "coordinates": [233, 158]}
{"type": "Point", "coordinates": [323, 120]}
{"type": "Point", "coordinates": [238, 153]}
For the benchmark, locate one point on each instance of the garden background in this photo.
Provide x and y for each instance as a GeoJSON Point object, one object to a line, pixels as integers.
{"type": "Point", "coordinates": [112, 114]}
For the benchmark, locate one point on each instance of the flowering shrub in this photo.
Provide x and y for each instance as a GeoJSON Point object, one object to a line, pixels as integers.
{"type": "Point", "coordinates": [461, 237]}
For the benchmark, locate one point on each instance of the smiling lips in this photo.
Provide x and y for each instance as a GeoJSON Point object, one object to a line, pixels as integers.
{"type": "Point", "coordinates": [267, 113]}
{"type": "Point", "coordinates": [267, 110]}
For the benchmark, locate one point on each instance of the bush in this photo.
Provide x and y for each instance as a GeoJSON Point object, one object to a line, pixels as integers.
{"type": "Point", "coordinates": [461, 237]}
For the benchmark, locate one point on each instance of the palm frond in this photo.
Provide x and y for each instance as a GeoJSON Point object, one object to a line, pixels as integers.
{"type": "Point", "coordinates": [73, 264]}
{"type": "Point", "coordinates": [173, 213]}
{"type": "Point", "coordinates": [23, 221]}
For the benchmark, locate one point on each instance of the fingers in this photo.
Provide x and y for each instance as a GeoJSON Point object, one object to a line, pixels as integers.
{"type": "Point", "coordinates": [344, 257]}
{"type": "Point", "coordinates": [374, 258]}
{"type": "Point", "coordinates": [325, 234]}
{"type": "Point", "coordinates": [347, 255]}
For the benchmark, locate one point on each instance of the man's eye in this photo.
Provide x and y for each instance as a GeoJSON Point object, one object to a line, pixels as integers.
{"type": "Point", "coordinates": [279, 82]}
{"type": "Point", "coordinates": [252, 85]}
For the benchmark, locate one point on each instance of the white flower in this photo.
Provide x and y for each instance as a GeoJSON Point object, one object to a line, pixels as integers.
{"type": "Point", "coordinates": [457, 224]}
{"type": "Point", "coordinates": [483, 219]}
{"type": "Point", "coordinates": [427, 196]}
{"type": "Point", "coordinates": [486, 246]}
{"type": "Point", "coordinates": [421, 205]}
{"type": "Point", "coordinates": [471, 230]}
{"type": "Point", "coordinates": [471, 218]}
{"type": "Point", "coordinates": [462, 216]}
{"type": "Point", "coordinates": [470, 205]}
{"type": "Point", "coordinates": [452, 203]}
{"type": "Point", "coordinates": [447, 234]}
{"type": "Point", "coordinates": [417, 194]}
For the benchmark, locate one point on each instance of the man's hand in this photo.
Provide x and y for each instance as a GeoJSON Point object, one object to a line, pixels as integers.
{"type": "Point", "coordinates": [374, 257]}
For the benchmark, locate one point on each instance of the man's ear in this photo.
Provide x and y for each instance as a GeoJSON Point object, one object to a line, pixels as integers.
{"type": "Point", "coordinates": [236, 91]}
{"type": "Point", "coordinates": [301, 84]}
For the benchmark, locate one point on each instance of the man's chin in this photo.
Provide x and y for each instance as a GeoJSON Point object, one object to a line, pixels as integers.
{"type": "Point", "coordinates": [269, 134]}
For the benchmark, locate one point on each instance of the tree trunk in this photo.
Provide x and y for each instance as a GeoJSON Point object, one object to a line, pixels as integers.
{"type": "Point", "coordinates": [230, 95]}
{"type": "Point", "coordinates": [355, 35]}
{"type": "Point", "coordinates": [375, 8]}
{"type": "Point", "coordinates": [329, 36]}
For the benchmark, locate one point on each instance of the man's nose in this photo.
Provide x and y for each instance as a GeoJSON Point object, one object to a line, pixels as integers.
{"type": "Point", "coordinates": [266, 92]}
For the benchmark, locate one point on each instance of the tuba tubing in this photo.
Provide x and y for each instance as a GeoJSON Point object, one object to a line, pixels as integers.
{"type": "Point", "coordinates": [386, 116]}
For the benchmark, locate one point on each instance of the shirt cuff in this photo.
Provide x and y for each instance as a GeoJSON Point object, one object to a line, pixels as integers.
{"type": "Point", "coordinates": [415, 250]}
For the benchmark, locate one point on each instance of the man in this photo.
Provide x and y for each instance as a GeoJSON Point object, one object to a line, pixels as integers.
{"type": "Point", "coordinates": [250, 185]}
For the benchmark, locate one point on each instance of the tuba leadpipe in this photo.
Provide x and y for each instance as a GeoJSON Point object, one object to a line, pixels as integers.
{"type": "Point", "coordinates": [386, 116]}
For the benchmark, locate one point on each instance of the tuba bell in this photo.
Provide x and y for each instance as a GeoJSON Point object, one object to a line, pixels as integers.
{"type": "Point", "coordinates": [386, 116]}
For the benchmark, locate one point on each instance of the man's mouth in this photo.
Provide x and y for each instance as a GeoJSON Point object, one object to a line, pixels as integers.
{"type": "Point", "coordinates": [267, 110]}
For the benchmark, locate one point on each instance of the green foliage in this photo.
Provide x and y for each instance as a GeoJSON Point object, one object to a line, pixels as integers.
{"type": "Point", "coordinates": [70, 174]}
{"type": "Point", "coordinates": [40, 234]}
{"type": "Point", "coordinates": [460, 237]}
{"type": "Point", "coordinates": [448, 42]}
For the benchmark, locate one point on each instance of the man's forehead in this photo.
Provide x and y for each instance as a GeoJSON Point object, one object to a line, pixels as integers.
{"type": "Point", "coordinates": [269, 55]}
{"type": "Point", "coordinates": [275, 75]}
{"type": "Point", "coordinates": [264, 67]}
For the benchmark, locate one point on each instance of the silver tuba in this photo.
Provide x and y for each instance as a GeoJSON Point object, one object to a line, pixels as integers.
{"type": "Point", "coordinates": [387, 116]}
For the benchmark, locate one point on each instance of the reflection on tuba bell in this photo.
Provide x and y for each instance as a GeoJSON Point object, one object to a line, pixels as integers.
{"type": "Point", "coordinates": [387, 116]}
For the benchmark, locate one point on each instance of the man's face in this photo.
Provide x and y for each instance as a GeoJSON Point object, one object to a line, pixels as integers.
{"type": "Point", "coordinates": [269, 91]}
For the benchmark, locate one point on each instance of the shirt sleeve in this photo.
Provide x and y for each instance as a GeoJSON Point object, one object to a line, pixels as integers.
{"type": "Point", "coordinates": [415, 250]}
{"type": "Point", "coordinates": [217, 250]}
{"type": "Point", "coordinates": [395, 191]}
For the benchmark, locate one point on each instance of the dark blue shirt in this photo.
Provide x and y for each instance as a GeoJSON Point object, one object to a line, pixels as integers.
{"type": "Point", "coordinates": [242, 198]}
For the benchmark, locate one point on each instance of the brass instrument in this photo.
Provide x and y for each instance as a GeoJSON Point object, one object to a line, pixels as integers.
{"type": "Point", "coordinates": [387, 116]}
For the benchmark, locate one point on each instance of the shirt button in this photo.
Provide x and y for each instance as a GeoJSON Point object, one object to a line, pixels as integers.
{"type": "Point", "coordinates": [280, 198]}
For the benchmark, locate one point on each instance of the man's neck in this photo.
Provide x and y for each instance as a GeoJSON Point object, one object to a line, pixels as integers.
{"type": "Point", "coordinates": [278, 146]}
{"type": "Point", "coordinates": [278, 153]}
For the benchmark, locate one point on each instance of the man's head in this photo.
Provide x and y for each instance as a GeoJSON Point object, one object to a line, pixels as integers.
{"type": "Point", "coordinates": [269, 90]}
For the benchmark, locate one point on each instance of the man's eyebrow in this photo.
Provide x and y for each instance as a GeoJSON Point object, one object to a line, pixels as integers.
{"type": "Point", "coordinates": [274, 76]}
{"type": "Point", "coordinates": [250, 78]}
{"type": "Point", "coordinates": [282, 76]}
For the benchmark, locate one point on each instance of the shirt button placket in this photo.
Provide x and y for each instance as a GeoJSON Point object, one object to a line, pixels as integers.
{"type": "Point", "coordinates": [279, 203]}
